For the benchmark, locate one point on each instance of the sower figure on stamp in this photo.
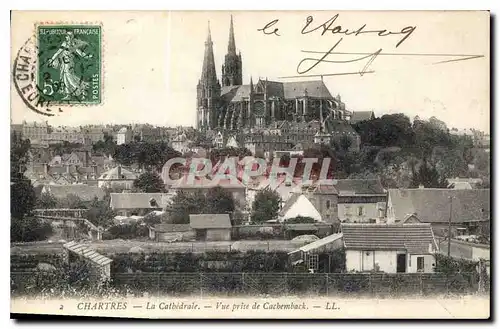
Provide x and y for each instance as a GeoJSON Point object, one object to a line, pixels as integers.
{"type": "Point", "coordinates": [64, 59]}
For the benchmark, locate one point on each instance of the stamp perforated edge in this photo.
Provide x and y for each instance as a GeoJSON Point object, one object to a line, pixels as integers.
{"type": "Point", "coordinates": [102, 49]}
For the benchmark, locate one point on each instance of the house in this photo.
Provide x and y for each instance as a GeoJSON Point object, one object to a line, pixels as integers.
{"type": "Point", "coordinates": [469, 209]}
{"type": "Point", "coordinates": [43, 174]}
{"type": "Point", "coordinates": [84, 192]}
{"type": "Point", "coordinates": [324, 197]}
{"type": "Point", "coordinates": [123, 136]}
{"type": "Point", "coordinates": [171, 232]}
{"type": "Point", "coordinates": [299, 205]}
{"type": "Point", "coordinates": [117, 177]}
{"type": "Point", "coordinates": [128, 204]}
{"type": "Point", "coordinates": [360, 200]}
{"type": "Point", "coordinates": [211, 227]}
{"type": "Point", "coordinates": [389, 248]}
{"type": "Point", "coordinates": [231, 184]}
{"type": "Point", "coordinates": [359, 116]}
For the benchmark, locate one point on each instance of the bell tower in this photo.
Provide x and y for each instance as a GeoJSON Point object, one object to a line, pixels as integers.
{"type": "Point", "coordinates": [231, 70]}
{"type": "Point", "coordinates": [208, 89]}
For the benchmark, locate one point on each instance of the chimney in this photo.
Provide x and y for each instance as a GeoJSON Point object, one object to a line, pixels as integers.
{"type": "Point", "coordinates": [119, 171]}
{"type": "Point", "coordinates": [67, 169]}
{"type": "Point", "coordinates": [46, 168]}
{"type": "Point", "coordinates": [421, 187]}
{"type": "Point", "coordinates": [94, 170]}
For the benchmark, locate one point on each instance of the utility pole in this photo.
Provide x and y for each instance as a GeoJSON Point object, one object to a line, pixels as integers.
{"type": "Point", "coordinates": [449, 225]}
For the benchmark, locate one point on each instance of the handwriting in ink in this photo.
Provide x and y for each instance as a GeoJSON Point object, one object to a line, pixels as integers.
{"type": "Point", "coordinates": [266, 29]}
{"type": "Point", "coordinates": [327, 27]}
{"type": "Point", "coordinates": [317, 61]}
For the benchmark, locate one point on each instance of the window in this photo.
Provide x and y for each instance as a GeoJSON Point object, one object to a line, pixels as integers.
{"type": "Point", "coordinates": [328, 204]}
{"type": "Point", "coordinates": [420, 264]}
{"type": "Point", "coordinates": [360, 211]}
{"type": "Point", "coordinates": [347, 210]}
{"type": "Point", "coordinates": [313, 262]}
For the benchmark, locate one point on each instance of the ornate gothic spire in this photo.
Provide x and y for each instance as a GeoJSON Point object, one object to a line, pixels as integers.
{"type": "Point", "coordinates": [208, 73]}
{"type": "Point", "coordinates": [231, 47]}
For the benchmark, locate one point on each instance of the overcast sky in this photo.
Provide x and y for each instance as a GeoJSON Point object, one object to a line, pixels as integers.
{"type": "Point", "coordinates": [152, 62]}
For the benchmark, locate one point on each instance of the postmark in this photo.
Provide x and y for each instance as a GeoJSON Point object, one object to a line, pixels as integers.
{"type": "Point", "coordinates": [60, 66]}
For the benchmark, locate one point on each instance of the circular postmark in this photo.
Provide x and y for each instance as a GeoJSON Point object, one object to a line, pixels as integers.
{"type": "Point", "coordinates": [24, 75]}
{"type": "Point", "coordinates": [57, 67]}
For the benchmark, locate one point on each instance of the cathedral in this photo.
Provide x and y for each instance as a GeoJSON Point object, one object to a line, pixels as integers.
{"type": "Point", "coordinates": [230, 106]}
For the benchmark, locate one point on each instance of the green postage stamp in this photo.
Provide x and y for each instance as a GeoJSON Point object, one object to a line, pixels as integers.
{"type": "Point", "coordinates": [69, 63]}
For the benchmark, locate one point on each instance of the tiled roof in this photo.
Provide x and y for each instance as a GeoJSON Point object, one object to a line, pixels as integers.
{"type": "Point", "coordinates": [414, 238]}
{"type": "Point", "coordinates": [433, 205]}
{"type": "Point", "coordinates": [140, 200]}
{"type": "Point", "coordinates": [172, 228]}
{"type": "Point", "coordinates": [339, 127]}
{"type": "Point", "coordinates": [85, 251]}
{"type": "Point", "coordinates": [113, 174]}
{"type": "Point", "coordinates": [359, 186]}
{"type": "Point", "coordinates": [84, 192]}
{"type": "Point", "coordinates": [316, 88]}
{"type": "Point", "coordinates": [207, 221]}
{"type": "Point", "coordinates": [361, 116]}
{"type": "Point", "coordinates": [287, 90]}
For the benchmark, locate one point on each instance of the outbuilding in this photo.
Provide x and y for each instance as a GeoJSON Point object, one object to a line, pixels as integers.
{"type": "Point", "coordinates": [211, 227]}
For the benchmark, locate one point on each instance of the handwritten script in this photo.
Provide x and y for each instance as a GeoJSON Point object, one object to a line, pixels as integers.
{"type": "Point", "coordinates": [331, 27]}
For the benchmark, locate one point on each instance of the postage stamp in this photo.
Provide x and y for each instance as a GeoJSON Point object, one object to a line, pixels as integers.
{"type": "Point", "coordinates": [69, 63]}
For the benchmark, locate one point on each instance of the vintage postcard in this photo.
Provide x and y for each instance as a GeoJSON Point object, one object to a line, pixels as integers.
{"type": "Point", "coordinates": [250, 164]}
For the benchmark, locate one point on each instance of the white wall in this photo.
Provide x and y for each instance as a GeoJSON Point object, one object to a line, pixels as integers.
{"type": "Point", "coordinates": [353, 260]}
{"type": "Point", "coordinates": [302, 207]}
{"type": "Point", "coordinates": [386, 260]}
{"type": "Point", "coordinates": [478, 253]}
{"type": "Point", "coordinates": [429, 261]}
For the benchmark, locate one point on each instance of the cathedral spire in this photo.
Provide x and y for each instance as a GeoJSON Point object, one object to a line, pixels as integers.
{"type": "Point", "coordinates": [231, 46]}
{"type": "Point", "coordinates": [231, 70]}
{"type": "Point", "coordinates": [208, 73]}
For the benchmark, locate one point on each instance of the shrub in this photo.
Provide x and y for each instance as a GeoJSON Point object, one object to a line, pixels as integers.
{"type": "Point", "coordinates": [126, 231]}
{"type": "Point", "coordinates": [29, 229]}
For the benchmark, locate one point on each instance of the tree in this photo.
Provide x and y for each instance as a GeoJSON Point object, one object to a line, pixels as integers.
{"type": "Point", "coordinates": [23, 226]}
{"type": "Point", "coordinates": [265, 206]}
{"type": "Point", "coordinates": [22, 194]}
{"type": "Point", "coordinates": [72, 201]}
{"type": "Point", "coordinates": [219, 201]}
{"type": "Point", "coordinates": [149, 182]}
{"type": "Point", "coordinates": [185, 203]}
{"type": "Point", "coordinates": [428, 177]}
{"type": "Point", "coordinates": [99, 213]}
{"type": "Point", "coordinates": [28, 229]}
{"type": "Point", "coordinates": [22, 197]}
{"type": "Point", "coordinates": [46, 201]}
{"type": "Point", "coordinates": [106, 147]}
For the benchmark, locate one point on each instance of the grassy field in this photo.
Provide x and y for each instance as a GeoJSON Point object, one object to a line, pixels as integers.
{"type": "Point", "coordinates": [147, 246]}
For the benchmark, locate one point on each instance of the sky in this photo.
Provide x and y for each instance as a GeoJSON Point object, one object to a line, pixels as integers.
{"type": "Point", "coordinates": [152, 62]}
